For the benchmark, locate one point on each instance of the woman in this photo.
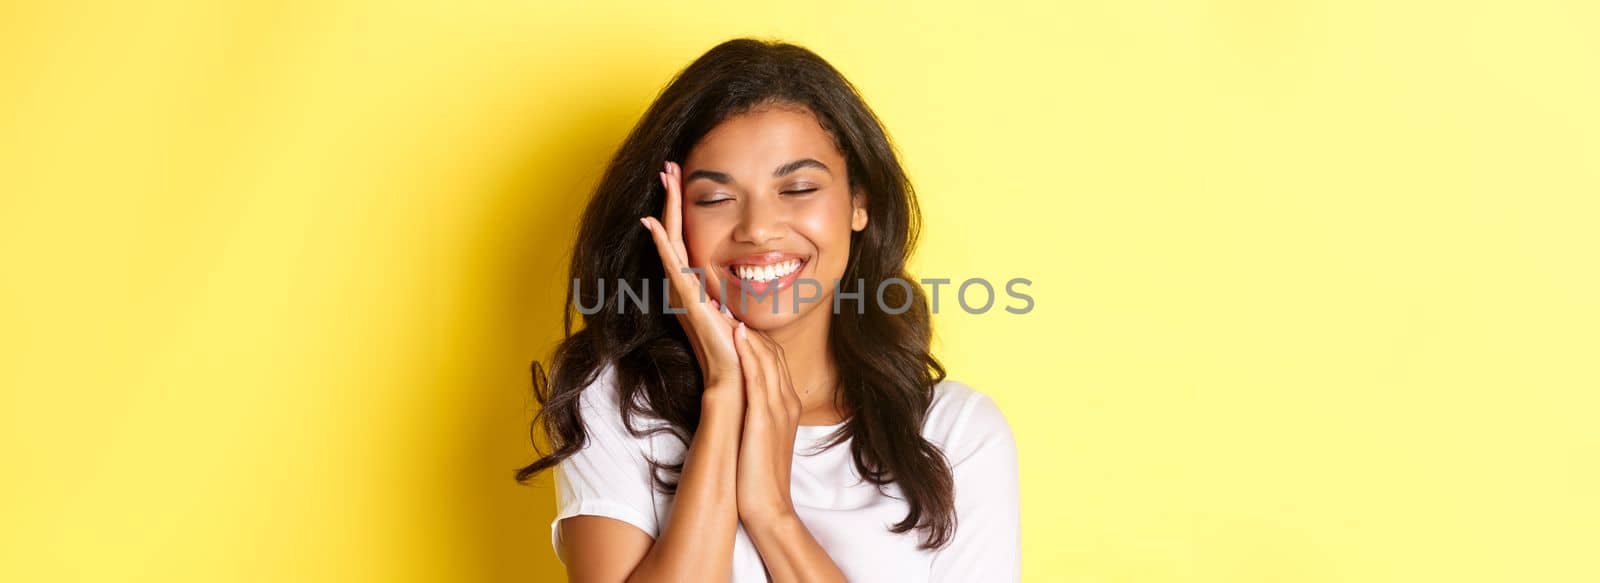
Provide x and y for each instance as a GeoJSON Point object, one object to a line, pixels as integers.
{"type": "Point", "coordinates": [785, 417]}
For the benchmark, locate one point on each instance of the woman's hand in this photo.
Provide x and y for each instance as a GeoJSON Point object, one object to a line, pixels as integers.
{"type": "Point", "coordinates": [708, 325]}
{"type": "Point", "coordinates": [766, 445]}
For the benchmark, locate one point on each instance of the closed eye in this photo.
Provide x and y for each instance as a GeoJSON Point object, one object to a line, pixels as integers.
{"type": "Point", "coordinates": [711, 202]}
{"type": "Point", "coordinates": [806, 191]}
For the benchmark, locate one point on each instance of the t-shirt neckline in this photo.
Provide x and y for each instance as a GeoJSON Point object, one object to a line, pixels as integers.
{"type": "Point", "coordinates": [816, 432]}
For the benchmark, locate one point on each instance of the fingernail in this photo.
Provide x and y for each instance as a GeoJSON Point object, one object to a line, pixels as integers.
{"type": "Point", "coordinates": [644, 222]}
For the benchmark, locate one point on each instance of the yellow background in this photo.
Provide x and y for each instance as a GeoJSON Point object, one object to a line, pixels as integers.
{"type": "Point", "coordinates": [1317, 282]}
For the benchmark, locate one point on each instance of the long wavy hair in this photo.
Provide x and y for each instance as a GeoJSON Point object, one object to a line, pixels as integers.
{"type": "Point", "coordinates": [886, 372]}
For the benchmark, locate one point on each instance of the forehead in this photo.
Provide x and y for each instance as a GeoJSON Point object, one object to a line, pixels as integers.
{"type": "Point", "coordinates": [761, 139]}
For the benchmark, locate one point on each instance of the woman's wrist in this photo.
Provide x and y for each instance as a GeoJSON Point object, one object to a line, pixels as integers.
{"type": "Point", "coordinates": [723, 395]}
{"type": "Point", "coordinates": [774, 525]}
{"type": "Point", "coordinates": [770, 518]}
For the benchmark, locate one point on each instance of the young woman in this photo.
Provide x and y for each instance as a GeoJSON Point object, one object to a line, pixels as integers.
{"type": "Point", "coordinates": [780, 415]}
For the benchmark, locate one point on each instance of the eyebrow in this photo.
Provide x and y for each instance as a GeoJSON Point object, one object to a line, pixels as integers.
{"type": "Point", "coordinates": [798, 164]}
{"type": "Point", "coordinates": [779, 172]}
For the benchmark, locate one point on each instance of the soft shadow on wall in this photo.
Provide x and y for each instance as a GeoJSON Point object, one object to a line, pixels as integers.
{"type": "Point", "coordinates": [528, 231]}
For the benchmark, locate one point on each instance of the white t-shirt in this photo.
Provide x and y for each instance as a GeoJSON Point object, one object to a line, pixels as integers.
{"type": "Point", "coordinates": [848, 516]}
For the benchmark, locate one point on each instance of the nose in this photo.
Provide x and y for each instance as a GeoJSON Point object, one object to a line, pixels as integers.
{"type": "Point", "coordinates": [761, 221]}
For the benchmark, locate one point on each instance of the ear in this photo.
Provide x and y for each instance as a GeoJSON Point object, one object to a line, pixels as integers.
{"type": "Point", "coordinates": [858, 211]}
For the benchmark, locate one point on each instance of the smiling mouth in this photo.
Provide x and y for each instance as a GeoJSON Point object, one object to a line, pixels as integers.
{"type": "Point", "coordinates": [765, 273]}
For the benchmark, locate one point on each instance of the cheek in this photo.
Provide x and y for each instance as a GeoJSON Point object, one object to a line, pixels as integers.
{"type": "Point", "coordinates": [829, 232]}
{"type": "Point", "coordinates": [826, 225]}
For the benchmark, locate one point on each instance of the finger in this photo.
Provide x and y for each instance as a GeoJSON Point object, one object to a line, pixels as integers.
{"type": "Point", "coordinates": [766, 358]}
{"type": "Point", "coordinates": [791, 396]}
{"type": "Point", "coordinates": [781, 388]}
{"type": "Point", "coordinates": [672, 215]}
{"type": "Point", "coordinates": [727, 314]}
{"type": "Point", "coordinates": [682, 280]}
{"type": "Point", "coordinates": [748, 365]}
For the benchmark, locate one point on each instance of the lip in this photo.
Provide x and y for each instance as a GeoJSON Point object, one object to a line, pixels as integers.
{"type": "Point", "coordinates": [764, 288]}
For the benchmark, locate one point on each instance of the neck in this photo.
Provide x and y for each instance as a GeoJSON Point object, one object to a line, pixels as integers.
{"type": "Point", "coordinates": [811, 367]}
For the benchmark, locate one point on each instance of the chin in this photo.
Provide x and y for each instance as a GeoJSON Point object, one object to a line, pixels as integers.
{"type": "Point", "coordinates": [760, 317]}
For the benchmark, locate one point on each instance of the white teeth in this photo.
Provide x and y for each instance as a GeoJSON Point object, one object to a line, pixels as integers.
{"type": "Point", "coordinates": [766, 272]}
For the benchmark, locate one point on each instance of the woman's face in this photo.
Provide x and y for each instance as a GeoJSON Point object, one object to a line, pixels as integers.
{"type": "Point", "coordinates": [768, 213]}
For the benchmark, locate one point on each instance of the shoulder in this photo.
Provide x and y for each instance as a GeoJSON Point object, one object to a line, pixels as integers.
{"type": "Point", "coordinates": [961, 418]}
{"type": "Point", "coordinates": [601, 392]}
{"type": "Point", "coordinates": [600, 404]}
